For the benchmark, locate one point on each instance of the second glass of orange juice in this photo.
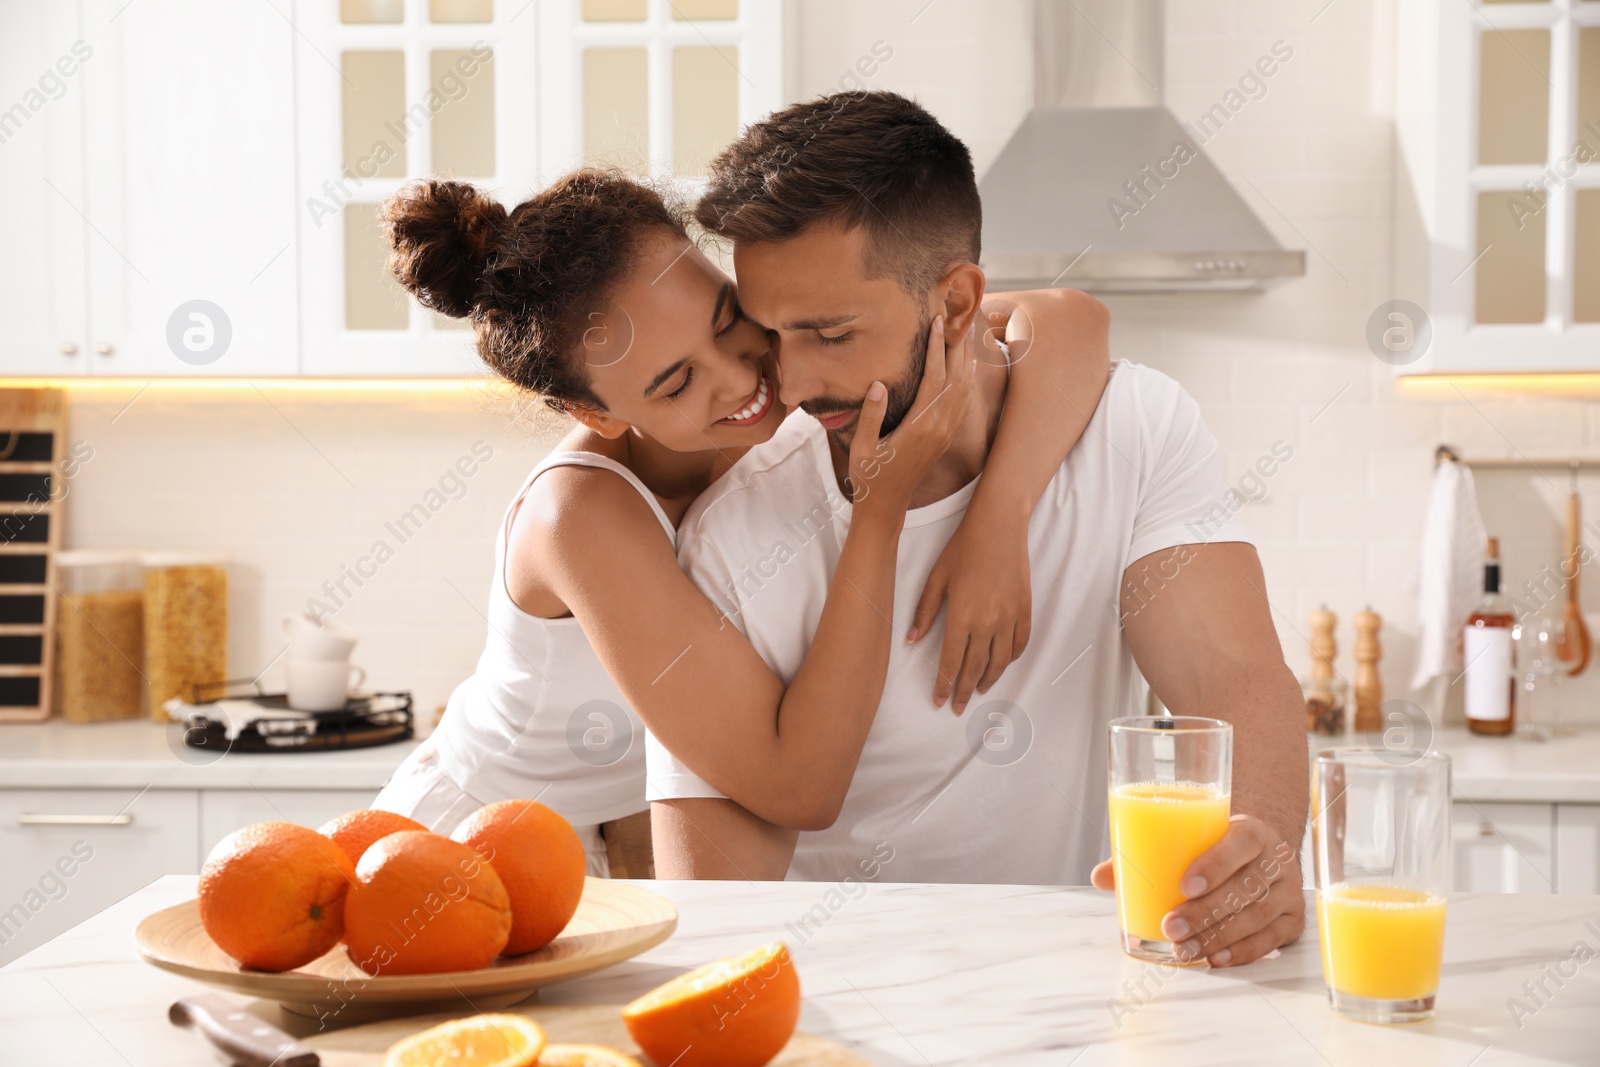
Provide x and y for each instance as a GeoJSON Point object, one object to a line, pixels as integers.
{"type": "Point", "coordinates": [1170, 781]}
{"type": "Point", "coordinates": [1381, 835]}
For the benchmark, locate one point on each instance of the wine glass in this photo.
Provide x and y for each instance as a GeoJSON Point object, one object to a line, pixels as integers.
{"type": "Point", "coordinates": [1539, 670]}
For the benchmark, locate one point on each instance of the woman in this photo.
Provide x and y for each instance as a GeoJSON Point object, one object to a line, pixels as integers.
{"type": "Point", "coordinates": [591, 295]}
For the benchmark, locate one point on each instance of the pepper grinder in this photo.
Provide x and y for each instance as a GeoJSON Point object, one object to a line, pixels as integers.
{"type": "Point", "coordinates": [1324, 692]}
{"type": "Point", "coordinates": [1368, 685]}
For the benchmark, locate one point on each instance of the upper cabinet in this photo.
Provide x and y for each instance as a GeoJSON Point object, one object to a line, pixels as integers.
{"type": "Point", "coordinates": [391, 90]}
{"type": "Point", "coordinates": [655, 87]}
{"type": "Point", "coordinates": [195, 185]}
{"type": "Point", "coordinates": [43, 319]}
{"type": "Point", "coordinates": [505, 94]}
{"type": "Point", "coordinates": [1498, 184]}
{"type": "Point", "coordinates": [148, 177]}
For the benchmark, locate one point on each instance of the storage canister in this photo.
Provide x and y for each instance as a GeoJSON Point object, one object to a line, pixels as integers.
{"type": "Point", "coordinates": [99, 635]}
{"type": "Point", "coordinates": [185, 625]}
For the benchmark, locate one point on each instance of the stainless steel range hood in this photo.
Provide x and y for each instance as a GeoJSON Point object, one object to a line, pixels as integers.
{"type": "Point", "coordinates": [1101, 187]}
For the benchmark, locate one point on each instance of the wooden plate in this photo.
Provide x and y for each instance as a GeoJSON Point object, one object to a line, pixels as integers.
{"type": "Point", "coordinates": [614, 922]}
{"type": "Point", "coordinates": [364, 1046]}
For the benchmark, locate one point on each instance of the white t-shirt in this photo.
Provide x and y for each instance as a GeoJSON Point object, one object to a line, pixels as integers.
{"type": "Point", "coordinates": [1014, 790]}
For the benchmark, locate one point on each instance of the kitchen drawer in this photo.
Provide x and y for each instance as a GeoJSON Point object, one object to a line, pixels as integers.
{"type": "Point", "coordinates": [222, 811]}
{"type": "Point", "coordinates": [70, 853]}
{"type": "Point", "coordinates": [1578, 849]}
{"type": "Point", "coordinates": [1503, 848]}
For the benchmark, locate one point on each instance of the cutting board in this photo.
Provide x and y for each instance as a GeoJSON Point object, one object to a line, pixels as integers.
{"type": "Point", "coordinates": [33, 466]}
{"type": "Point", "coordinates": [597, 1024]}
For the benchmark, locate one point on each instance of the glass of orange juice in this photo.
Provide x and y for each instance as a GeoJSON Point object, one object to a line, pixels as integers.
{"type": "Point", "coordinates": [1380, 831]}
{"type": "Point", "coordinates": [1170, 779]}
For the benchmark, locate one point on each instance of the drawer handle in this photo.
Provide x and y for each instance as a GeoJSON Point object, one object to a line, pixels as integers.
{"type": "Point", "coordinates": [75, 820]}
{"type": "Point", "coordinates": [1485, 829]}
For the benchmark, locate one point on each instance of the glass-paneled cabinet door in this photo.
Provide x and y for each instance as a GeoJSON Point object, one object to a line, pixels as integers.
{"type": "Point", "coordinates": [1515, 278]}
{"type": "Point", "coordinates": [655, 87]}
{"type": "Point", "coordinates": [393, 91]}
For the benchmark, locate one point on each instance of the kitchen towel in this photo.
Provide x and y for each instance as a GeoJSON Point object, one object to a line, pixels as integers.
{"type": "Point", "coordinates": [1449, 571]}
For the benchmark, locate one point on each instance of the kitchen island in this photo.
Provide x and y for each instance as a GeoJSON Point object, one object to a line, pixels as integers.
{"type": "Point", "coordinates": [934, 975]}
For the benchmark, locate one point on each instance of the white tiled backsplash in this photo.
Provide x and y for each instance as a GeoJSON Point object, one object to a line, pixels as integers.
{"type": "Point", "coordinates": [298, 485]}
{"type": "Point", "coordinates": [380, 505]}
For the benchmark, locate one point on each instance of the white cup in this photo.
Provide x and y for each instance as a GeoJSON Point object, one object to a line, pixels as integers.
{"type": "Point", "coordinates": [322, 685]}
{"type": "Point", "coordinates": [311, 639]}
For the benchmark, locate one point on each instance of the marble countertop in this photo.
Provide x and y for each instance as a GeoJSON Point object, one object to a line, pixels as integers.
{"type": "Point", "coordinates": [925, 976]}
{"type": "Point", "coordinates": [136, 753]}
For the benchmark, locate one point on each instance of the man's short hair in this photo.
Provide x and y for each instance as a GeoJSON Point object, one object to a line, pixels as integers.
{"type": "Point", "coordinates": [871, 159]}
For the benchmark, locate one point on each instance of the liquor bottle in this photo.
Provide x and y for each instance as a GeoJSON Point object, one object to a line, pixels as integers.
{"type": "Point", "coordinates": [1491, 694]}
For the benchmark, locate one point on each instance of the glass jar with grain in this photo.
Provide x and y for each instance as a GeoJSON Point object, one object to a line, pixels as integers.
{"type": "Point", "coordinates": [99, 635]}
{"type": "Point", "coordinates": [185, 625]}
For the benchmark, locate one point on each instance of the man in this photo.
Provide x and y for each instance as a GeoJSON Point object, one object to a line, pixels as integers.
{"type": "Point", "coordinates": [855, 221]}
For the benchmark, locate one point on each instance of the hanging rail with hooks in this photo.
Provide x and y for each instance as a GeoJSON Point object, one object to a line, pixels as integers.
{"type": "Point", "coordinates": [1554, 463]}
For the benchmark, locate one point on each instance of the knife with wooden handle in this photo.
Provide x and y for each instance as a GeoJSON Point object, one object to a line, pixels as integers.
{"type": "Point", "coordinates": [241, 1037]}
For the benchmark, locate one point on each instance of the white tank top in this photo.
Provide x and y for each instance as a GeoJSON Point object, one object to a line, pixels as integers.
{"type": "Point", "coordinates": [540, 718]}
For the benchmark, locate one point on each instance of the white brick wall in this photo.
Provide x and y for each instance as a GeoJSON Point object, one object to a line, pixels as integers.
{"type": "Point", "coordinates": [1342, 518]}
{"type": "Point", "coordinates": [296, 484]}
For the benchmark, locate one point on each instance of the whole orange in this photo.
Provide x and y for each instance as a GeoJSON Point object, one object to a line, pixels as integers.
{"type": "Point", "coordinates": [538, 855]}
{"type": "Point", "coordinates": [356, 831]}
{"type": "Point", "coordinates": [423, 903]}
{"type": "Point", "coordinates": [272, 895]}
{"type": "Point", "coordinates": [736, 1012]}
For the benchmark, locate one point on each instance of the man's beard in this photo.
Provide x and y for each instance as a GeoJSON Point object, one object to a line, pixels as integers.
{"type": "Point", "coordinates": [902, 393]}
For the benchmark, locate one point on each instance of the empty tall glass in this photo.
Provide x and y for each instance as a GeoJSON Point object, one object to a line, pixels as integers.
{"type": "Point", "coordinates": [1380, 832]}
{"type": "Point", "coordinates": [1171, 780]}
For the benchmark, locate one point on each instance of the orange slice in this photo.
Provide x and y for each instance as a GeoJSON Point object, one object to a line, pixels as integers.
{"type": "Point", "coordinates": [736, 1012]}
{"type": "Point", "coordinates": [478, 1041]}
{"type": "Point", "coordinates": [584, 1056]}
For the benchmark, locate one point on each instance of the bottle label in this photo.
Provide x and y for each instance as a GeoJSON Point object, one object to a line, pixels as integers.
{"type": "Point", "coordinates": [1488, 653]}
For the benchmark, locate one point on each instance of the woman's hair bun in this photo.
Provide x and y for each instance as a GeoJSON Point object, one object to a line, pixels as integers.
{"type": "Point", "coordinates": [441, 235]}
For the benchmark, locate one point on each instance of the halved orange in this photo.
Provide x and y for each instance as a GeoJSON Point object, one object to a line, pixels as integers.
{"type": "Point", "coordinates": [477, 1041]}
{"type": "Point", "coordinates": [584, 1056]}
{"type": "Point", "coordinates": [737, 1012]}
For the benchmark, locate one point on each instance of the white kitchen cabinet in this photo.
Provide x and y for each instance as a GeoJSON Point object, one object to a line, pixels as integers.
{"type": "Point", "coordinates": [389, 92]}
{"type": "Point", "coordinates": [508, 95]}
{"type": "Point", "coordinates": [199, 197]}
{"type": "Point", "coordinates": [42, 274]}
{"type": "Point", "coordinates": [222, 811]}
{"type": "Point", "coordinates": [1503, 848]}
{"type": "Point", "coordinates": [1578, 848]}
{"type": "Point", "coordinates": [69, 853]}
{"type": "Point", "coordinates": [148, 203]}
{"type": "Point", "coordinates": [1497, 209]}
{"type": "Point", "coordinates": [189, 162]}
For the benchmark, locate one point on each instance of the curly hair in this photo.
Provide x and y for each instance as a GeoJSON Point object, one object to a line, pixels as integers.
{"type": "Point", "coordinates": [526, 278]}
